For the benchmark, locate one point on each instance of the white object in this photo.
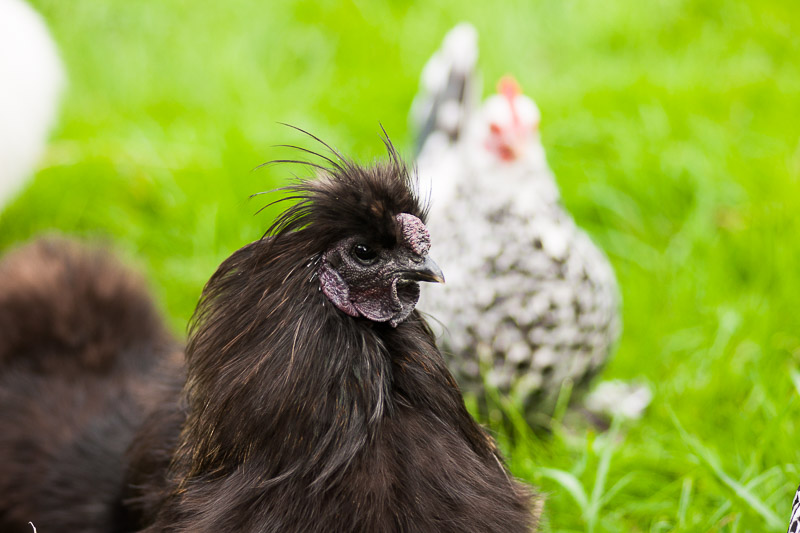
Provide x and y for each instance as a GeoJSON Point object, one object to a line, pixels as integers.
{"type": "Point", "coordinates": [31, 79]}
{"type": "Point", "coordinates": [617, 398]}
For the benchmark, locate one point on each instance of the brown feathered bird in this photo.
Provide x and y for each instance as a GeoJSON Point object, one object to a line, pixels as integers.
{"type": "Point", "coordinates": [81, 347]}
{"type": "Point", "coordinates": [313, 397]}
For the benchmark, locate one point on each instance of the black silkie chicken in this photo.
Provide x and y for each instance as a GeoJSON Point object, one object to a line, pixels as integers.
{"type": "Point", "coordinates": [312, 397]}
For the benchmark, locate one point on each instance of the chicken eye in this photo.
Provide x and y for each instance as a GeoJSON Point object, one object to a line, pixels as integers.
{"type": "Point", "coordinates": [365, 254]}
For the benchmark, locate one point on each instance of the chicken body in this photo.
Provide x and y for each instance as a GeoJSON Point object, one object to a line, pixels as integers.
{"type": "Point", "coordinates": [80, 346]}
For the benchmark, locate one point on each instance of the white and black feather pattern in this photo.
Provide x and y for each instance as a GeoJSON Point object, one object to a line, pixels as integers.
{"type": "Point", "coordinates": [448, 88]}
{"type": "Point", "coordinates": [530, 301]}
{"type": "Point", "coordinates": [794, 521]}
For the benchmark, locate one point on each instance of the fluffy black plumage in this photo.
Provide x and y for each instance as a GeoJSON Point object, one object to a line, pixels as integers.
{"type": "Point", "coordinates": [81, 348]}
{"type": "Point", "coordinates": [295, 415]}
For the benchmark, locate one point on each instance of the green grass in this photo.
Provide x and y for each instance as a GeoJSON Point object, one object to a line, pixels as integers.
{"type": "Point", "coordinates": [672, 127]}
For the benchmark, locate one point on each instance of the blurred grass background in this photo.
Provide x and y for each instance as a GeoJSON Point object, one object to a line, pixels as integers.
{"type": "Point", "coordinates": [672, 126]}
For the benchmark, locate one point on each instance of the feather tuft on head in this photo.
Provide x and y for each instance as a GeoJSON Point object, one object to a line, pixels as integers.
{"type": "Point", "coordinates": [347, 199]}
{"type": "Point", "coordinates": [366, 228]}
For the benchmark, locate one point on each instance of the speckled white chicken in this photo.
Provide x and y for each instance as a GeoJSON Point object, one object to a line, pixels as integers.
{"type": "Point", "coordinates": [530, 302]}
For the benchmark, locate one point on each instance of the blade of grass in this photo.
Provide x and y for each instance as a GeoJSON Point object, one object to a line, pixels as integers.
{"type": "Point", "coordinates": [741, 491]}
{"type": "Point", "coordinates": [569, 483]}
{"type": "Point", "coordinates": [602, 474]}
{"type": "Point", "coordinates": [683, 505]}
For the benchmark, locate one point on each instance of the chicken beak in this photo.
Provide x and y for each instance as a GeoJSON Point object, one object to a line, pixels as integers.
{"type": "Point", "coordinates": [428, 270]}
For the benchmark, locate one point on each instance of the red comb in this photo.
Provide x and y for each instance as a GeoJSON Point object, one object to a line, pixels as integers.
{"type": "Point", "coordinates": [508, 87]}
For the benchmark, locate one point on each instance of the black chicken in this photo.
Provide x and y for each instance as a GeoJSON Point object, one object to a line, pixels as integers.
{"type": "Point", "coordinates": [313, 396]}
